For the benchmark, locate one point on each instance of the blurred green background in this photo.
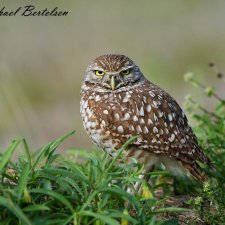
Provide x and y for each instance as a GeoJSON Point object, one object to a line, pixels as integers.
{"type": "Point", "coordinates": [43, 59]}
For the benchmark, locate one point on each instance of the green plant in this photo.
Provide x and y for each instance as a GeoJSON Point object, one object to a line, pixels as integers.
{"type": "Point", "coordinates": [52, 189]}
{"type": "Point", "coordinates": [210, 130]}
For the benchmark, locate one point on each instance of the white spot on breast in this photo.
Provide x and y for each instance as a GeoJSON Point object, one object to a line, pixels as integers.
{"type": "Point", "coordinates": [154, 140]}
{"type": "Point", "coordinates": [120, 129]}
{"type": "Point", "coordinates": [138, 129]}
{"type": "Point", "coordinates": [88, 124]}
{"type": "Point", "coordinates": [145, 146]}
{"type": "Point", "coordinates": [155, 130]}
{"type": "Point", "coordinates": [85, 104]}
{"type": "Point", "coordinates": [160, 114]}
{"type": "Point", "coordinates": [148, 108]}
{"type": "Point", "coordinates": [141, 111]}
{"type": "Point", "coordinates": [131, 127]}
{"type": "Point", "coordinates": [93, 124]}
{"type": "Point", "coordinates": [127, 116]}
{"type": "Point", "coordinates": [182, 141]}
{"type": "Point", "coordinates": [155, 118]}
{"type": "Point", "coordinates": [97, 98]}
{"type": "Point", "coordinates": [156, 104]}
{"type": "Point", "coordinates": [116, 116]}
{"type": "Point", "coordinates": [142, 121]}
{"type": "Point", "coordinates": [127, 136]}
{"type": "Point", "coordinates": [145, 130]}
{"type": "Point", "coordinates": [105, 112]}
{"type": "Point", "coordinates": [140, 139]}
{"type": "Point", "coordinates": [103, 123]}
{"type": "Point", "coordinates": [150, 121]}
{"type": "Point", "coordinates": [135, 118]}
{"type": "Point", "coordinates": [151, 94]}
{"type": "Point", "coordinates": [170, 117]}
{"type": "Point", "coordinates": [172, 137]}
{"type": "Point", "coordinates": [96, 136]}
{"type": "Point", "coordinates": [126, 98]}
{"type": "Point", "coordinates": [159, 97]}
{"type": "Point", "coordinates": [144, 98]}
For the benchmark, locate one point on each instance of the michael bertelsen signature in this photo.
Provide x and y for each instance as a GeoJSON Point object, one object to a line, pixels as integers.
{"type": "Point", "coordinates": [31, 10]}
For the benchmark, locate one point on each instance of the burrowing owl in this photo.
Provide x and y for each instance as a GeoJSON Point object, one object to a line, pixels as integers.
{"type": "Point", "coordinates": [118, 102]}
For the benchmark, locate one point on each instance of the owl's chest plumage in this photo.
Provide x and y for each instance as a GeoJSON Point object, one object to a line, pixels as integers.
{"type": "Point", "coordinates": [112, 118]}
{"type": "Point", "coordinates": [106, 119]}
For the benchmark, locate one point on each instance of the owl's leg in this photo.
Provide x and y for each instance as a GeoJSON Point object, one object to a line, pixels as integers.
{"type": "Point", "coordinates": [137, 186]}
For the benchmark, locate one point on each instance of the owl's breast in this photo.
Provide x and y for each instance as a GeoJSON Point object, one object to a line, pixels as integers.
{"type": "Point", "coordinates": [107, 120]}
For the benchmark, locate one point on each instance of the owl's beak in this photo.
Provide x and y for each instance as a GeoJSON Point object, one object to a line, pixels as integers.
{"type": "Point", "coordinates": [113, 83]}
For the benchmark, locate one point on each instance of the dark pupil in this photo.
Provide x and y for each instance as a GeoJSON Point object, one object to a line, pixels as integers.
{"type": "Point", "coordinates": [100, 72]}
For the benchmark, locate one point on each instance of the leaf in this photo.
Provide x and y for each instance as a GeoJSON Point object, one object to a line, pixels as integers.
{"type": "Point", "coordinates": [8, 153]}
{"type": "Point", "coordinates": [123, 194]}
{"type": "Point", "coordinates": [23, 179]}
{"type": "Point", "coordinates": [46, 150]}
{"type": "Point", "coordinates": [8, 203]}
{"type": "Point", "coordinates": [102, 217]}
{"type": "Point", "coordinates": [123, 215]}
{"type": "Point", "coordinates": [27, 151]}
{"type": "Point", "coordinates": [171, 209]}
{"type": "Point", "coordinates": [32, 208]}
{"type": "Point", "coordinates": [55, 195]}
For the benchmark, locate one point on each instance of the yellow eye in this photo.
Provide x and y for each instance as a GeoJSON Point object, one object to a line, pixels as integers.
{"type": "Point", "coordinates": [125, 72]}
{"type": "Point", "coordinates": [99, 72]}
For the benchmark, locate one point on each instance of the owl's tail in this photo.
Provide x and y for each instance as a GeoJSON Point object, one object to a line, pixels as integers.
{"type": "Point", "coordinates": [196, 171]}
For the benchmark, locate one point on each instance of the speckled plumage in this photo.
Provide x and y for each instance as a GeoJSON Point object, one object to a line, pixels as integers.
{"type": "Point", "coordinates": [137, 107]}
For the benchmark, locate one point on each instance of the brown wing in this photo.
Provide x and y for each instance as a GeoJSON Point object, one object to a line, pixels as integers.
{"type": "Point", "coordinates": [169, 132]}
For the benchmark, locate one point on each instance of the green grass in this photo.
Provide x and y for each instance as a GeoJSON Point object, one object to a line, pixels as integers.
{"type": "Point", "coordinates": [50, 188]}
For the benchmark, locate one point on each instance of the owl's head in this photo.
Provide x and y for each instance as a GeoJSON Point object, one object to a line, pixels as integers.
{"type": "Point", "coordinates": [112, 72]}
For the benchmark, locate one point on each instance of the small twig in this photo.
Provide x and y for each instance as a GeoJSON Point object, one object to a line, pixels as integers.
{"type": "Point", "coordinates": [213, 93]}
{"type": "Point", "coordinates": [204, 110]}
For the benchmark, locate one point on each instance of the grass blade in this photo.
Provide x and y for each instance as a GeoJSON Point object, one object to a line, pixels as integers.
{"type": "Point", "coordinates": [8, 153]}
{"type": "Point", "coordinates": [102, 217]}
{"type": "Point", "coordinates": [171, 209]}
{"type": "Point", "coordinates": [8, 203]}
{"type": "Point", "coordinates": [27, 151]}
{"type": "Point", "coordinates": [32, 208]}
{"type": "Point", "coordinates": [23, 179]}
{"type": "Point", "coordinates": [50, 147]}
{"type": "Point", "coordinates": [55, 195]}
